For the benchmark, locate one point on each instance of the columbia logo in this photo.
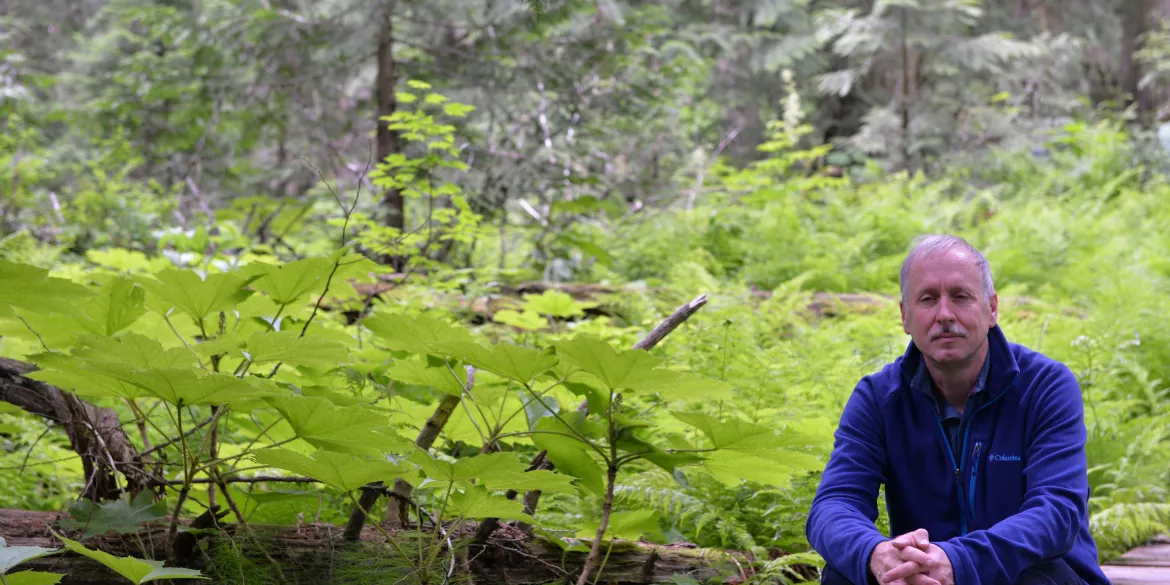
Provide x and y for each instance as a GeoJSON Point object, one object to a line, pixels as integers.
{"type": "Point", "coordinates": [1001, 457]}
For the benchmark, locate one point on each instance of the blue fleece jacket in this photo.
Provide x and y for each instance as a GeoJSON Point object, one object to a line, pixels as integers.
{"type": "Point", "coordinates": [1017, 494]}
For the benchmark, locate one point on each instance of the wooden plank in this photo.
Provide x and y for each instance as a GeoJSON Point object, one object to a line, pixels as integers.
{"type": "Point", "coordinates": [1157, 555]}
{"type": "Point", "coordinates": [1137, 575]}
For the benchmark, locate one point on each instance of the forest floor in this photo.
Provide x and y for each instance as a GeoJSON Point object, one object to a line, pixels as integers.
{"type": "Point", "coordinates": [1144, 565]}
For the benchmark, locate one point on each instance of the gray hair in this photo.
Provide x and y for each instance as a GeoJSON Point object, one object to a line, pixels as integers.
{"type": "Point", "coordinates": [934, 243]}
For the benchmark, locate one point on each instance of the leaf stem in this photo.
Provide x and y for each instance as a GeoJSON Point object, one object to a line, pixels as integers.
{"type": "Point", "coordinates": [524, 404]}
{"type": "Point", "coordinates": [173, 528]}
{"type": "Point", "coordinates": [167, 318]}
{"type": "Point", "coordinates": [580, 436]}
{"type": "Point", "coordinates": [316, 309]}
{"type": "Point", "coordinates": [525, 433]}
{"type": "Point", "coordinates": [467, 392]}
{"type": "Point", "coordinates": [606, 506]}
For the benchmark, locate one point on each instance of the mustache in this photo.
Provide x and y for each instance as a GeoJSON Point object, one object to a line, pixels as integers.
{"type": "Point", "coordinates": [953, 329]}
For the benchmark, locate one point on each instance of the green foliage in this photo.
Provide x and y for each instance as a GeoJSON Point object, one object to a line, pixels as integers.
{"type": "Point", "coordinates": [123, 516]}
{"type": "Point", "coordinates": [10, 556]}
{"type": "Point", "coordinates": [136, 570]}
{"type": "Point", "coordinates": [1124, 526]}
{"type": "Point", "coordinates": [171, 248]}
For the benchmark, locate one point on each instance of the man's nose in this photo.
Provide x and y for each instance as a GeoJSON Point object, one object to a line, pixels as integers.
{"type": "Point", "coordinates": [946, 311]}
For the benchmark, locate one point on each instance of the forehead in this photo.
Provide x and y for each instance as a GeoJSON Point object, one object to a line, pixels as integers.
{"type": "Point", "coordinates": [949, 269]}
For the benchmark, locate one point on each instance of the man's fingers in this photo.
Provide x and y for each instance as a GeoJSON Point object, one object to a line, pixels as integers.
{"type": "Point", "coordinates": [902, 571]}
{"type": "Point", "coordinates": [916, 555]}
{"type": "Point", "coordinates": [921, 579]}
{"type": "Point", "coordinates": [919, 539]}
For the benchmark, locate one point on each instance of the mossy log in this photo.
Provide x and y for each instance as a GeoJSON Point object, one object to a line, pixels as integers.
{"type": "Point", "coordinates": [313, 554]}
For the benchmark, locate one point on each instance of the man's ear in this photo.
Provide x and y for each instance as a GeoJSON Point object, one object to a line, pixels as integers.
{"type": "Point", "coordinates": [905, 326]}
{"type": "Point", "coordinates": [994, 301]}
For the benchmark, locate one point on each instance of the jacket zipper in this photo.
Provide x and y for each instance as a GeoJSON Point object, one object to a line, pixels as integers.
{"type": "Point", "coordinates": [958, 471]}
{"type": "Point", "coordinates": [974, 474]}
{"type": "Point", "coordinates": [959, 467]}
{"type": "Point", "coordinates": [958, 475]}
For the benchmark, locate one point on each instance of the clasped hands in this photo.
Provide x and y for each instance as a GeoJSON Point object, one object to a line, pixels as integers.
{"type": "Point", "coordinates": [911, 559]}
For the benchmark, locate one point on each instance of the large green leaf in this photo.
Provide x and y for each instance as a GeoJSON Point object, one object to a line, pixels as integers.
{"type": "Point", "coordinates": [286, 284]}
{"type": "Point", "coordinates": [344, 472]}
{"type": "Point", "coordinates": [557, 304]}
{"type": "Point", "coordinates": [117, 305]}
{"type": "Point", "coordinates": [89, 384]}
{"type": "Point", "coordinates": [401, 332]}
{"type": "Point", "coordinates": [122, 516]}
{"type": "Point", "coordinates": [511, 473]}
{"type": "Point", "coordinates": [189, 388]}
{"type": "Point", "coordinates": [198, 297]}
{"type": "Point", "coordinates": [478, 502]}
{"type": "Point", "coordinates": [630, 443]}
{"type": "Point", "coordinates": [33, 578]}
{"type": "Point", "coordinates": [132, 349]}
{"type": "Point", "coordinates": [28, 288]}
{"type": "Point", "coordinates": [107, 366]}
{"type": "Point", "coordinates": [777, 468]}
{"type": "Point", "coordinates": [747, 451]}
{"type": "Point", "coordinates": [625, 525]}
{"type": "Point", "coordinates": [288, 348]}
{"type": "Point", "coordinates": [136, 570]}
{"type": "Point", "coordinates": [417, 371]}
{"type": "Point", "coordinates": [460, 470]}
{"type": "Point", "coordinates": [733, 434]}
{"type": "Point", "coordinates": [596, 398]}
{"type": "Point", "coordinates": [10, 556]}
{"type": "Point", "coordinates": [355, 430]}
{"type": "Point", "coordinates": [503, 359]}
{"type": "Point", "coordinates": [633, 369]}
{"type": "Point", "coordinates": [527, 320]}
{"type": "Point", "coordinates": [538, 407]}
{"type": "Point", "coordinates": [570, 455]}
{"type": "Point", "coordinates": [495, 471]}
{"type": "Point", "coordinates": [683, 386]}
{"type": "Point", "coordinates": [87, 371]}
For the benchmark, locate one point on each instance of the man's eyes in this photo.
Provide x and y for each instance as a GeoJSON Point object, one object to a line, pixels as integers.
{"type": "Point", "coordinates": [932, 298]}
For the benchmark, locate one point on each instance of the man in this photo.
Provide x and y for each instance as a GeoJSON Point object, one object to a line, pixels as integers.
{"type": "Point", "coordinates": [979, 442]}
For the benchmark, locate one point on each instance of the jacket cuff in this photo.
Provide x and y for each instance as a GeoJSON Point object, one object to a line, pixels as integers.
{"type": "Point", "coordinates": [959, 567]}
{"type": "Point", "coordinates": [863, 576]}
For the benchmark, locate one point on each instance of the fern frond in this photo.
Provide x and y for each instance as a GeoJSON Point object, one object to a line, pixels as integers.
{"type": "Point", "coordinates": [702, 518]}
{"type": "Point", "coordinates": [990, 52]}
{"type": "Point", "coordinates": [1124, 526]}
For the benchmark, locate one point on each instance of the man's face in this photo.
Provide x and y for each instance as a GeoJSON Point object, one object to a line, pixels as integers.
{"type": "Point", "coordinates": [945, 311]}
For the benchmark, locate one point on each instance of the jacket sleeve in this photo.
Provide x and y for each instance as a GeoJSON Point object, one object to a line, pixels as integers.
{"type": "Point", "coordinates": [841, 520]}
{"type": "Point", "coordinates": [1055, 499]}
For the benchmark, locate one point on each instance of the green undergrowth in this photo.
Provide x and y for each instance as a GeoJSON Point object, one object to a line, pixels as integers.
{"type": "Point", "coordinates": [1076, 242]}
{"type": "Point", "coordinates": [251, 560]}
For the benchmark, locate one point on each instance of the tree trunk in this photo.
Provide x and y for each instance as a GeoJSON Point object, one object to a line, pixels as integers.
{"type": "Point", "coordinates": [1134, 22]}
{"type": "Point", "coordinates": [388, 140]}
{"type": "Point", "coordinates": [94, 433]}
{"type": "Point", "coordinates": [315, 554]}
{"type": "Point", "coordinates": [904, 94]}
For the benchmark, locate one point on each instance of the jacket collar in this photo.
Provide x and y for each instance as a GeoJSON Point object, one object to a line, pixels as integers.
{"type": "Point", "coordinates": [1002, 369]}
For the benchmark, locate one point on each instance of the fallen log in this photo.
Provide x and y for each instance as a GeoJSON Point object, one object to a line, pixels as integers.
{"type": "Point", "coordinates": [95, 433]}
{"type": "Point", "coordinates": [601, 298]}
{"type": "Point", "coordinates": [312, 554]}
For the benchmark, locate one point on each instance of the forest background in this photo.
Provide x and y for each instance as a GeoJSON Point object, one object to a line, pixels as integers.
{"type": "Point", "coordinates": [466, 212]}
